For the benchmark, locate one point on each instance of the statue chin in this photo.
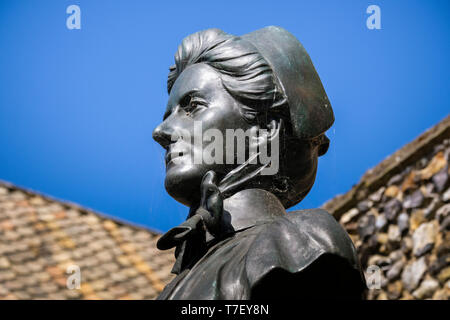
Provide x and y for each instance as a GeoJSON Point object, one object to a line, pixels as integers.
{"type": "Point", "coordinates": [183, 183]}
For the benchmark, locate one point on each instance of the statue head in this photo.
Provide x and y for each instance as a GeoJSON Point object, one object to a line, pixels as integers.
{"type": "Point", "coordinates": [262, 84]}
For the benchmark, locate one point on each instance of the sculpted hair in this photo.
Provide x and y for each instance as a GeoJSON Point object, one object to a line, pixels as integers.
{"type": "Point", "coordinates": [247, 76]}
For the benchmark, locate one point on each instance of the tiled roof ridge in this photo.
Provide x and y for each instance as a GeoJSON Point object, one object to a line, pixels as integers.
{"type": "Point", "coordinates": [379, 175]}
{"type": "Point", "coordinates": [75, 206]}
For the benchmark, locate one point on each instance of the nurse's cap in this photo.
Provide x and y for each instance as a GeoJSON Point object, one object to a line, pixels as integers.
{"type": "Point", "coordinates": [310, 111]}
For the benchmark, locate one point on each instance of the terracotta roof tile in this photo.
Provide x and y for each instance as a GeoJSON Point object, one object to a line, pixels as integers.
{"type": "Point", "coordinates": [41, 237]}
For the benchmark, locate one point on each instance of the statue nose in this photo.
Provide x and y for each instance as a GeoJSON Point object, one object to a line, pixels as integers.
{"type": "Point", "coordinates": [161, 135]}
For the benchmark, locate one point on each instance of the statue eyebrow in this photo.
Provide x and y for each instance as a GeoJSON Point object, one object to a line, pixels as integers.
{"type": "Point", "coordinates": [185, 95]}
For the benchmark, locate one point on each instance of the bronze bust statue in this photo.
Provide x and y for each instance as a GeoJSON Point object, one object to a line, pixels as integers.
{"type": "Point", "coordinates": [238, 241]}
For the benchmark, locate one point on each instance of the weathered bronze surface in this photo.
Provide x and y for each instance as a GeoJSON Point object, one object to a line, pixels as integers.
{"type": "Point", "coordinates": [238, 241]}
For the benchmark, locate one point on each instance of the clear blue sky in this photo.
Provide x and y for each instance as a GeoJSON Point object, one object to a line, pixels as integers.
{"type": "Point", "coordinates": [77, 107]}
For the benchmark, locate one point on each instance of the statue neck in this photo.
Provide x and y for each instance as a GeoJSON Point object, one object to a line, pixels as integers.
{"type": "Point", "coordinates": [252, 206]}
{"type": "Point", "coordinates": [249, 207]}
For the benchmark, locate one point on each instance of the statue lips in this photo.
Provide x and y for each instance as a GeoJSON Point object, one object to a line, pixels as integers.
{"type": "Point", "coordinates": [171, 155]}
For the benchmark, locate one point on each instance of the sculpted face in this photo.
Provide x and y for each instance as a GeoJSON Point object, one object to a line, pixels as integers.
{"type": "Point", "coordinates": [197, 96]}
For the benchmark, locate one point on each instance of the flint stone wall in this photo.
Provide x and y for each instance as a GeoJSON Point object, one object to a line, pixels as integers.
{"type": "Point", "coordinates": [398, 218]}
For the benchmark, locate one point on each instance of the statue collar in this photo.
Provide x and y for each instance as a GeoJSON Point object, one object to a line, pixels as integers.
{"type": "Point", "coordinates": [243, 210]}
{"type": "Point", "coordinates": [250, 207]}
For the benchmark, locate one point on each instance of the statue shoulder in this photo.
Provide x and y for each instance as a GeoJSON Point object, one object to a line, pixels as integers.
{"type": "Point", "coordinates": [311, 232]}
{"type": "Point", "coordinates": [318, 216]}
{"type": "Point", "coordinates": [325, 230]}
{"type": "Point", "coordinates": [296, 241]}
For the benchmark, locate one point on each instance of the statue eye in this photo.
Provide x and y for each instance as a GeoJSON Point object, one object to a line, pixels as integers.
{"type": "Point", "coordinates": [191, 104]}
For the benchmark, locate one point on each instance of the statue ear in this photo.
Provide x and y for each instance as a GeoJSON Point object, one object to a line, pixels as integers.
{"type": "Point", "coordinates": [260, 138]}
{"type": "Point", "coordinates": [274, 128]}
{"type": "Point", "coordinates": [258, 141]}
